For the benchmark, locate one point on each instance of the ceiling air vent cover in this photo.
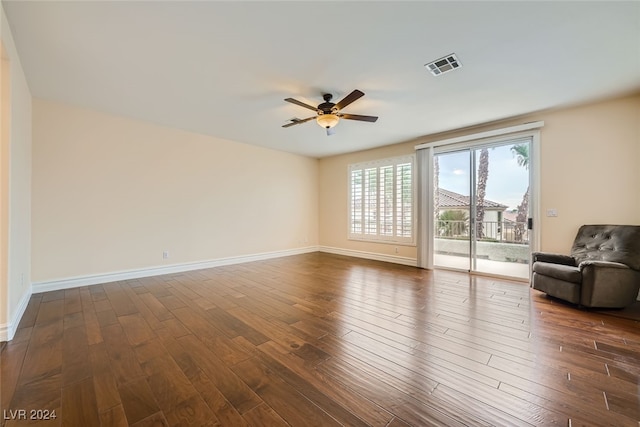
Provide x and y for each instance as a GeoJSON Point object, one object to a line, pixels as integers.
{"type": "Point", "coordinates": [444, 64]}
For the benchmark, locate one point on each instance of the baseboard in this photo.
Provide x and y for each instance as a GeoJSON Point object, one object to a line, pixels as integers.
{"type": "Point", "coordinates": [97, 279]}
{"type": "Point", "coordinates": [8, 330]}
{"type": "Point", "coordinates": [370, 255]}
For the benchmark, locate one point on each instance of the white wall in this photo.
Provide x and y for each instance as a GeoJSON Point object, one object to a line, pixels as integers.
{"type": "Point", "coordinates": [110, 194]}
{"type": "Point", "coordinates": [15, 276]}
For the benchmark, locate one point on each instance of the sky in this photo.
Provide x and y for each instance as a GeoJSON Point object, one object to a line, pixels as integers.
{"type": "Point", "coordinates": [507, 181]}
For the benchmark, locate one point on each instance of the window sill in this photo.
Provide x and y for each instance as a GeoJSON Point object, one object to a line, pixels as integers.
{"type": "Point", "coordinates": [383, 242]}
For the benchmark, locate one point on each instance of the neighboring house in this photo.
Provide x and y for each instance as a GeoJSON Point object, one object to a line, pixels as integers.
{"type": "Point", "coordinates": [510, 216]}
{"type": "Point", "coordinates": [493, 211]}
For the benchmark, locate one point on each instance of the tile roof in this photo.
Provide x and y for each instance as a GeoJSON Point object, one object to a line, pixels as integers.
{"type": "Point", "coordinates": [449, 199]}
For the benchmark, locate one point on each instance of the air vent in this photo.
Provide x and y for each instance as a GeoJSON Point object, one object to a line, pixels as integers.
{"type": "Point", "coordinates": [444, 65]}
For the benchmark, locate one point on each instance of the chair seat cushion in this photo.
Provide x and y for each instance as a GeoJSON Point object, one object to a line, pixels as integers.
{"type": "Point", "coordinates": [567, 273]}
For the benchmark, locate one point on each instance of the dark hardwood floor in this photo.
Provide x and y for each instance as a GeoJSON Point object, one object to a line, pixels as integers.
{"type": "Point", "coordinates": [318, 340]}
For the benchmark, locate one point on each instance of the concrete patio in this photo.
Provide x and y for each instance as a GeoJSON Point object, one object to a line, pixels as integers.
{"type": "Point", "coordinates": [504, 259]}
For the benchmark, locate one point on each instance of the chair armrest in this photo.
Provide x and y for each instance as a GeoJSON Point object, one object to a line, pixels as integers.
{"type": "Point", "coordinates": [602, 264]}
{"type": "Point", "coordinates": [553, 258]}
{"type": "Point", "coordinates": [608, 284]}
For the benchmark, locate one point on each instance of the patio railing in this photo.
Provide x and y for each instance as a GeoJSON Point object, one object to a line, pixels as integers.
{"type": "Point", "coordinates": [505, 231]}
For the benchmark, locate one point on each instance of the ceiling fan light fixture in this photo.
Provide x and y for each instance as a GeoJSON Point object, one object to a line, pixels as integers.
{"type": "Point", "coordinates": [327, 121]}
{"type": "Point", "coordinates": [329, 114]}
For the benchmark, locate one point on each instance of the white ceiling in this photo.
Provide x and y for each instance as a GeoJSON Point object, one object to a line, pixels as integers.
{"type": "Point", "coordinates": [224, 68]}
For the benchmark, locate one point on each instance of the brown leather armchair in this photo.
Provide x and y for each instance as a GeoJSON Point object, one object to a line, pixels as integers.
{"type": "Point", "coordinates": [603, 269]}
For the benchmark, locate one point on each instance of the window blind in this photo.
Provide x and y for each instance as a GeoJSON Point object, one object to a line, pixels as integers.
{"type": "Point", "coordinates": [381, 198]}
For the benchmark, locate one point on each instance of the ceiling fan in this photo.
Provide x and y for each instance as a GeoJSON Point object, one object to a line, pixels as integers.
{"type": "Point", "coordinates": [329, 114]}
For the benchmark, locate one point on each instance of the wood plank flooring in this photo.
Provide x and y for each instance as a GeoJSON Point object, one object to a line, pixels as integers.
{"type": "Point", "coordinates": [318, 340]}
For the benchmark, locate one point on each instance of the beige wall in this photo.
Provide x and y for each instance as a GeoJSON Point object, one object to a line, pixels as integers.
{"type": "Point", "coordinates": [589, 173]}
{"type": "Point", "coordinates": [111, 194]}
{"type": "Point", "coordinates": [590, 168]}
{"type": "Point", "coordinates": [16, 185]}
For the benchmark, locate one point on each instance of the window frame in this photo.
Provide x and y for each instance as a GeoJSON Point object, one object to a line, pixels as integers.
{"type": "Point", "coordinates": [393, 162]}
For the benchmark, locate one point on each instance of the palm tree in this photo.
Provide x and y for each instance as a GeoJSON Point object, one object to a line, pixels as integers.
{"type": "Point", "coordinates": [521, 152]}
{"type": "Point", "coordinates": [483, 176]}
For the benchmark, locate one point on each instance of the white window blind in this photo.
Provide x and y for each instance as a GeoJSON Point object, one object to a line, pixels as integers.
{"type": "Point", "coordinates": [381, 200]}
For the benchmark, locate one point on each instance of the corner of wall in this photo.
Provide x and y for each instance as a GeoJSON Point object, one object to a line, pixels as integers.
{"type": "Point", "coordinates": [8, 330]}
{"type": "Point", "coordinates": [15, 288]}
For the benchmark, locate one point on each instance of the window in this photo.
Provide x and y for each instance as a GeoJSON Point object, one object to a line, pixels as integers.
{"type": "Point", "coordinates": [381, 200]}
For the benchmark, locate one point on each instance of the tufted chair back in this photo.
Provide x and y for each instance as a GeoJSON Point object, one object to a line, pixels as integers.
{"type": "Point", "coordinates": [613, 243]}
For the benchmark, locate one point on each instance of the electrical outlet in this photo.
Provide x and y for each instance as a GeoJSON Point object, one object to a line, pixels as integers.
{"type": "Point", "coordinates": [553, 212]}
{"type": "Point", "coordinates": [165, 254]}
{"type": "Point", "coordinates": [397, 250]}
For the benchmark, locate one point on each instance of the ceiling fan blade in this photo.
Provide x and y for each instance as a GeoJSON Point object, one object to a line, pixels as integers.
{"type": "Point", "coordinates": [359, 117]}
{"type": "Point", "coordinates": [298, 121]}
{"type": "Point", "coordinates": [302, 104]}
{"type": "Point", "coordinates": [356, 94]}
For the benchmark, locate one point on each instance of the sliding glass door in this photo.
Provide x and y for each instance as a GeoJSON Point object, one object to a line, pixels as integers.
{"type": "Point", "coordinates": [452, 211]}
{"type": "Point", "coordinates": [481, 208]}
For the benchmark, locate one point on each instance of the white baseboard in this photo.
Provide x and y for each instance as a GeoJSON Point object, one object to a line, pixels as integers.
{"type": "Point", "coordinates": [74, 282]}
{"type": "Point", "coordinates": [96, 279]}
{"type": "Point", "coordinates": [8, 330]}
{"type": "Point", "coordinates": [371, 255]}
